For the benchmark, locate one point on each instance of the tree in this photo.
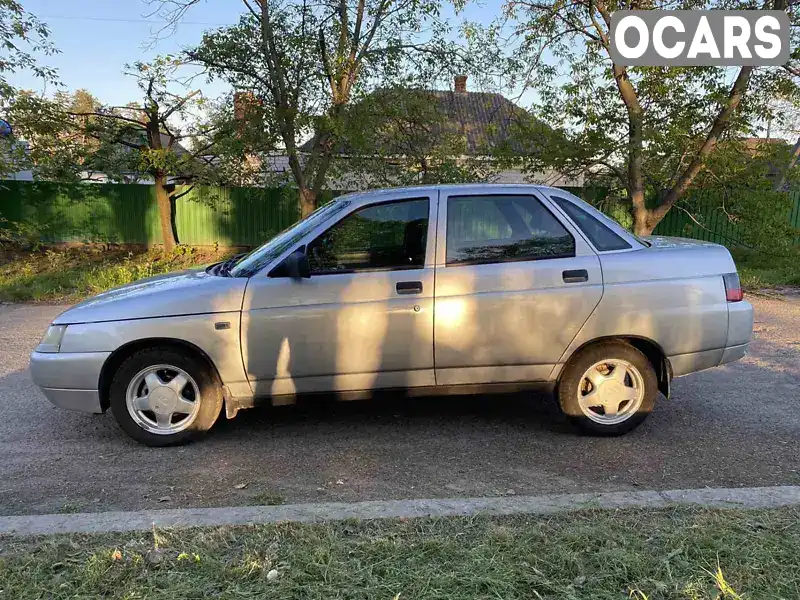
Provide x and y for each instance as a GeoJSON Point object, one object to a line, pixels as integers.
{"type": "Point", "coordinates": [407, 136]}
{"type": "Point", "coordinates": [21, 36]}
{"type": "Point", "coordinates": [163, 137]}
{"type": "Point", "coordinates": [786, 111]}
{"type": "Point", "coordinates": [304, 62]}
{"type": "Point", "coordinates": [652, 129]}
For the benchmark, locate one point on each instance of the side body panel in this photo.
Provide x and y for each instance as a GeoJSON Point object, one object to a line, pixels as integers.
{"type": "Point", "coordinates": [508, 321]}
{"type": "Point", "coordinates": [221, 345]}
{"type": "Point", "coordinates": [673, 296]}
{"type": "Point", "coordinates": [341, 332]}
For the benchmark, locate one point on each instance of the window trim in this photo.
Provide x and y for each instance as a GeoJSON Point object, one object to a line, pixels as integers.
{"type": "Point", "coordinates": [493, 261]}
{"type": "Point", "coordinates": [375, 269]}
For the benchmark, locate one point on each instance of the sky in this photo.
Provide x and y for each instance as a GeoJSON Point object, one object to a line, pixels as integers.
{"type": "Point", "coordinates": [98, 37]}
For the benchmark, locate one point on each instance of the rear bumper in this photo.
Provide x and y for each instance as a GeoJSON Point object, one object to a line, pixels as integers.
{"type": "Point", "coordinates": [70, 379]}
{"type": "Point", "coordinates": [732, 353]}
{"type": "Point", "coordinates": [740, 324]}
{"type": "Point", "coordinates": [683, 364]}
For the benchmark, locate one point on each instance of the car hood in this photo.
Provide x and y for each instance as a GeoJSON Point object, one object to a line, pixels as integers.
{"type": "Point", "coordinates": [185, 293]}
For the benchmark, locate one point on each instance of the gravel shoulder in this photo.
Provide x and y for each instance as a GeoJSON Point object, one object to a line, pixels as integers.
{"type": "Point", "coordinates": [734, 426]}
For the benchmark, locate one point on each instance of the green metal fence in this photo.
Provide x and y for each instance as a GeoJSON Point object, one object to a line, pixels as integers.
{"type": "Point", "coordinates": [710, 223]}
{"type": "Point", "coordinates": [128, 214]}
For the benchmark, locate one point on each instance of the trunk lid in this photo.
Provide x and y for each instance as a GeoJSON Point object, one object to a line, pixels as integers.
{"type": "Point", "coordinates": [664, 242]}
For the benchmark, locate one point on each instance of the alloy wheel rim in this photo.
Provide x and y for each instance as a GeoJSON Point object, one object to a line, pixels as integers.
{"type": "Point", "coordinates": [610, 391]}
{"type": "Point", "coordinates": [163, 399]}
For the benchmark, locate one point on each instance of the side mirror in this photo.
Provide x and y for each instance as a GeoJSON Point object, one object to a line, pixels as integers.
{"type": "Point", "coordinates": [297, 266]}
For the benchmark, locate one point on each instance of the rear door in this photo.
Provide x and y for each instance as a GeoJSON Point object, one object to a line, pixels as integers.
{"type": "Point", "coordinates": [514, 284]}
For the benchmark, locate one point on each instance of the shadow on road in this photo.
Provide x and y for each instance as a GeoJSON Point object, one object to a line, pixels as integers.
{"type": "Point", "coordinates": [532, 411]}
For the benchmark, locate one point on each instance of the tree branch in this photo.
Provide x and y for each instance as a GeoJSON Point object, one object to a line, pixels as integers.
{"type": "Point", "coordinates": [107, 116]}
{"type": "Point", "coordinates": [181, 103]}
{"type": "Point", "coordinates": [717, 129]}
{"type": "Point", "coordinates": [182, 194]}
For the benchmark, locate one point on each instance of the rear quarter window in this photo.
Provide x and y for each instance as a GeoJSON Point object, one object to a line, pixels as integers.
{"type": "Point", "coordinates": [602, 238]}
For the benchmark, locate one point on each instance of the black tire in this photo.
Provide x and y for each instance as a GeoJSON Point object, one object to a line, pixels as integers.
{"type": "Point", "coordinates": [571, 379]}
{"type": "Point", "coordinates": [211, 398]}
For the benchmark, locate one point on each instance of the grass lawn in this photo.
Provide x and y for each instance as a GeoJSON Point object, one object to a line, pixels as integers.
{"type": "Point", "coordinates": [71, 274]}
{"type": "Point", "coordinates": [758, 270]}
{"type": "Point", "coordinates": [678, 553]}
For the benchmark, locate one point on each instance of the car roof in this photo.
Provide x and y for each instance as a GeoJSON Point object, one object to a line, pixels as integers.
{"type": "Point", "coordinates": [466, 187]}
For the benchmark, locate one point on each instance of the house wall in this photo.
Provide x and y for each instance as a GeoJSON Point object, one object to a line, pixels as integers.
{"type": "Point", "coordinates": [549, 177]}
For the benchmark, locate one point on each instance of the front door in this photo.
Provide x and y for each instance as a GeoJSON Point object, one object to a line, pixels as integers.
{"type": "Point", "coordinates": [364, 319]}
{"type": "Point", "coordinates": [513, 286]}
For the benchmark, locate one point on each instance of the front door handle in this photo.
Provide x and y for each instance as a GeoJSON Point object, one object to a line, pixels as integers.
{"type": "Point", "coordinates": [575, 276]}
{"type": "Point", "coordinates": [409, 287]}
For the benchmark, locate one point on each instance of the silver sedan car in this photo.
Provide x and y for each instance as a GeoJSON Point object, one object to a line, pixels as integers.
{"type": "Point", "coordinates": [442, 289]}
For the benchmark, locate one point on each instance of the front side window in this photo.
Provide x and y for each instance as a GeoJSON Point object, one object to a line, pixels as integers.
{"type": "Point", "coordinates": [379, 237]}
{"type": "Point", "coordinates": [485, 229]}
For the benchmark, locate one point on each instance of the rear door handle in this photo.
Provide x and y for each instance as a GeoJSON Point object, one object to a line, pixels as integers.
{"type": "Point", "coordinates": [409, 287]}
{"type": "Point", "coordinates": [575, 276]}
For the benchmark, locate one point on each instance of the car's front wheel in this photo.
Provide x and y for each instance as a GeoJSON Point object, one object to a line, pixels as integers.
{"type": "Point", "coordinates": [163, 396]}
{"type": "Point", "coordinates": [608, 389]}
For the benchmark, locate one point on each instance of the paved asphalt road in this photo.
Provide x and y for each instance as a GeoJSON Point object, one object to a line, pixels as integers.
{"type": "Point", "coordinates": [734, 426]}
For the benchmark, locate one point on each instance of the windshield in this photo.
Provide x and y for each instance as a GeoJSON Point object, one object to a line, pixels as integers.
{"type": "Point", "coordinates": [263, 255]}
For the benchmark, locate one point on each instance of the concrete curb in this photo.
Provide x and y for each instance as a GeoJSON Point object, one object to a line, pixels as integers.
{"type": "Point", "coordinates": [105, 522]}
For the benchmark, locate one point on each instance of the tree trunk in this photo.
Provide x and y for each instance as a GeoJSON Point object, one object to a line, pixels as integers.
{"type": "Point", "coordinates": [636, 173]}
{"type": "Point", "coordinates": [780, 179]}
{"type": "Point", "coordinates": [308, 201]}
{"type": "Point", "coordinates": [719, 126]}
{"type": "Point", "coordinates": [165, 214]}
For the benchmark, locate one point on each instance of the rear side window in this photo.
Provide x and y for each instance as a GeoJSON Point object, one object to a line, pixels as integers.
{"type": "Point", "coordinates": [599, 234]}
{"type": "Point", "coordinates": [487, 229]}
{"type": "Point", "coordinates": [380, 237]}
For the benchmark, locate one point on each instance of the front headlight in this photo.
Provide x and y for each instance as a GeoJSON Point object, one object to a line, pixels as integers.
{"type": "Point", "coordinates": [51, 342]}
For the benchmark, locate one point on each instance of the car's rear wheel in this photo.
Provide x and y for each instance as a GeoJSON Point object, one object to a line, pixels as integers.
{"type": "Point", "coordinates": [163, 397]}
{"type": "Point", "coordinates": [608, 389]}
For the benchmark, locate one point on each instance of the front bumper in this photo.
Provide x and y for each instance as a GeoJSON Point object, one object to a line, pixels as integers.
{"type": "Point", "coordinates": [70, 379]}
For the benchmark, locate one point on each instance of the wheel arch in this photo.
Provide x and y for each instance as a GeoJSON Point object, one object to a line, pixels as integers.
{"type": "Point", "coordinates": [651, 349]}
{"type": "Point", "coordinates": [118, 356]}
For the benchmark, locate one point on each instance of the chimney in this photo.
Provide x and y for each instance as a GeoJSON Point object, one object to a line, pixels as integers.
{"type": "Point", "coordinates": [461, 83]}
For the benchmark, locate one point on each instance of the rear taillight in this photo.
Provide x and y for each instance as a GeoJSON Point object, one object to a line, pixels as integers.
{"type": "Point", "coordinates": [733, 289]}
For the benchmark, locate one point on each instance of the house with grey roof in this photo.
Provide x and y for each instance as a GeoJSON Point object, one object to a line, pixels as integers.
{"type": "Point", "coordinates": [411, 128]}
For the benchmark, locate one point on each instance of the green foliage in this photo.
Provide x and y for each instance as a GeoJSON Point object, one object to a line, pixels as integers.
{"type": "Point", "coordinates": [759, 269]}
{"type": "Point", "coordinates": [22, 36]}
{"type": "Point", "coordinates": [70, 274]}
{"type": "Point", "coordinates": [163, 134]}
{"type": "Point", "coordinates": [737, 182]}
{"type": "Point", "coordinates": [400, 136]}
{"type": "Point", "coordinates": [640, 139]}
{"type": "Point", "coordinates": [23, 234]}
{"type": "Point", "coordinates": [300, 65]}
